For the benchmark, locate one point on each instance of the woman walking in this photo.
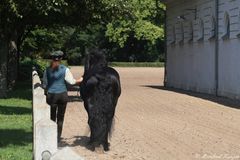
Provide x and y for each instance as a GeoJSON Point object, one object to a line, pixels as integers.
{"type": "Point", "coordinates": [55, 80]}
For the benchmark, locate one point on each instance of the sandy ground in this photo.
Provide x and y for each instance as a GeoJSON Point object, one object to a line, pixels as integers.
{"type": "Point", "coordinates": [153, 123]}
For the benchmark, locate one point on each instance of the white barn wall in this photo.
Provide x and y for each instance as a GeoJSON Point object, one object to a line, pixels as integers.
{"type": "Point", "coordinates": [191, 65]}
{"type": "Point", "coordinates": [229, 68]}
{"type": "Point", "coordinates": [229, 50]}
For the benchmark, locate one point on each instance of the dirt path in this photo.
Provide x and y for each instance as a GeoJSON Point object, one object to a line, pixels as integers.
{"type": "Point", "coordinates": [157, 124]}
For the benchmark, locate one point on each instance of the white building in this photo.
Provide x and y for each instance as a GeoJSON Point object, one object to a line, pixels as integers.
{"type": "Point", "coordinates": [203, 46]}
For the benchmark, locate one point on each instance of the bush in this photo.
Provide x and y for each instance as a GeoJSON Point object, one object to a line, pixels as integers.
{"type": "Point", "coordinates": [75, 56]}
{"type": "Point", "coordinates": [27, 64]}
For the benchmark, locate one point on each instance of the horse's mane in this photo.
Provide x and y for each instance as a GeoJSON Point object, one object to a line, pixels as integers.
{"type": "Point", "coordinates": [100, 90]}
{"type": "Point", "coordinates": [95, 59]}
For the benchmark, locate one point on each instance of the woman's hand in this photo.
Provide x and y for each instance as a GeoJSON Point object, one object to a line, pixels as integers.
{"type": "Point", "coordinates": [78, 81]}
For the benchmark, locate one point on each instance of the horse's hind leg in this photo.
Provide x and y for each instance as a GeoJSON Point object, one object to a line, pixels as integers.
{"type": "Point", "coordinates": [108, 130]}
{"type": "Point", "coordinates": [105, 143]}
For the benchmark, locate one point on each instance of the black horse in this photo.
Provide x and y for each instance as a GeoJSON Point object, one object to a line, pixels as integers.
{"type": "Point", "coordinates": [100, 90]}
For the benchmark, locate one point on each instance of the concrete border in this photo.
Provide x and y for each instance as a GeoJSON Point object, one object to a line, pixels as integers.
{"type": "Point", "coordinates": [44, 129]}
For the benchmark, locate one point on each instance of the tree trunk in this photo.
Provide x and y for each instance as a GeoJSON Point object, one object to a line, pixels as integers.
{"type": "Point", "coordinates": [12, 64]}
{"type": "Point", "coordinates": [8, 64]}
{"type": "Point", "coordinates": [4, 47]}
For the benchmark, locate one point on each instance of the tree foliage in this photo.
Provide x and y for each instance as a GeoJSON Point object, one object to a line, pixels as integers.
{"type": "Point", "coordinates": [41, 41]}
{"type": "Point", "coordinates": [74, 25]}
{"type": "Point", "coordinates": [143, 20]}
{"type": "Point", "coordinates": [74, 41]}
{"type": "Point", "coordinates": [15, 14]}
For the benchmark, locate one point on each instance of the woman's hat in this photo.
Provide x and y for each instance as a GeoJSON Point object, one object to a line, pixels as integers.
{"type": "Point", "coordinates": [57, 55]}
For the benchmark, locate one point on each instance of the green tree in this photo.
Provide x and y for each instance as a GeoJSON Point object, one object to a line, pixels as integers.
{"type": "Point", "coordinates": [143, 21]}
{"type": "Point", "coordinates": [41, 41]}
{"type": "Point", "coordinates": [124, 22]}
{"type": "Point", "coordinates": [17, 18]}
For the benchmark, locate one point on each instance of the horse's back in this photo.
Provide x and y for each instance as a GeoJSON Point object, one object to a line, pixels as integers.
{"type": "Point", "coordinates": [106, 80]}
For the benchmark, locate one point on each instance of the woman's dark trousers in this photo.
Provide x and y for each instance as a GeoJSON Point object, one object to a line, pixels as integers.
{"type": "Point", "coordinates": [58, 103]}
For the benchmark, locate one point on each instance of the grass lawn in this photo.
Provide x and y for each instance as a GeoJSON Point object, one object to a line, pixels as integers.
{"type": "Point", "coordinates": [16, 124]}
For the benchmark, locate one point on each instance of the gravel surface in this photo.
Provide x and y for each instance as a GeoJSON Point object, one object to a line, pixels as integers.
{"type": "Point", "coordinates": [153, 123]}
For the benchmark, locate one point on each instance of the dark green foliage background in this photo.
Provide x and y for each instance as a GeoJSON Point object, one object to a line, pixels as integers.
{"type": "Point", "coordinates": [129, 31]}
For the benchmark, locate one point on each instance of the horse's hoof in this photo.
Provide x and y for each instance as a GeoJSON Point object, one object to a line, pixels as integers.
{"type": "Point", "coordinates": [99, 149]}
{"type": "Point", "coordinates": [90, 146]}
{"type": "Point", "coordinates": [106, 147]}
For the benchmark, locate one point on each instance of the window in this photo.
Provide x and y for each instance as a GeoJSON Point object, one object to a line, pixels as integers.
{"type": "Point", "coordinates": [200, 30]}
{"type": "Point", "coordinates": [238, 34]}
{"type": "Point", "coordinates": [173, 35]}
{"type": "Point", "coordinates": [188, 31]}
{"type": "Point", "coordinates": [212, 28]}
{"type": "Point", "coordinates": [179, 32]}
{"type": "Point", "coordinates": [226, 26]}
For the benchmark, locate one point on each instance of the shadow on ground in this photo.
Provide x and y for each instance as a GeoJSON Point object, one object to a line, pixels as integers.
{"type": "Point", "coordinates": [82, 141]}
{"type": "Point", "coordinates": [220, 100]}
{"type": "Point", "coordinates": [13, 110]}
{"type": "Point", "coordinates": [73, 88]}
{"type": "Point", "coordinates": [76, 98]}
{"type": "Point", "coordinates": [22, 90]}
{"type": "Point", "coordinates": [14, 137]}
